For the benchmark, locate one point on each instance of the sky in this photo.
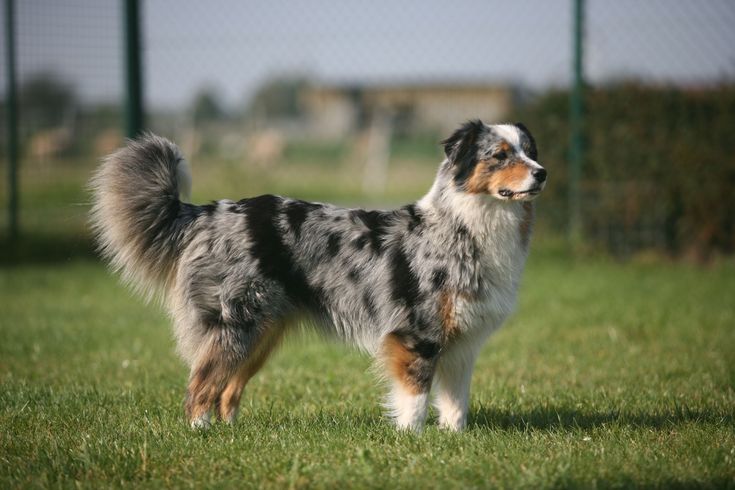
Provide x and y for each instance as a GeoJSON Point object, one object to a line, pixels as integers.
{"type": "Point", "coordinates": [235, 46]}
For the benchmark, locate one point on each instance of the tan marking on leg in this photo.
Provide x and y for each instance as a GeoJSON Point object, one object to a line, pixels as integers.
{"type": "Point", "coordinates": [398, 360]}
{"type": "Point", "coordinates": [229, 398]}
{"type": "Point", "coordinates": [447, 314]}
{"type": "Point", "coordinates": [208, 377]}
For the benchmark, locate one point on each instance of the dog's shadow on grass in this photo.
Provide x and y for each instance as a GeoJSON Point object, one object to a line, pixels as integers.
{"type": "Point", "coordinates": [565, 418]}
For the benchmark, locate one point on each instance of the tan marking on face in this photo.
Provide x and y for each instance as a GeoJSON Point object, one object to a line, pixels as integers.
{"type": "Point", "coordinates": [510, 177]}
{"type": "Point", "coordinates": [505, 146]}
{"type": "Point", "coordinates": [488, 180]}
{"type": "Point", "coordinates": [478, 181]}
{"type": "Point", "coordinates": [526, 221]}
{"type": "Point", "coordinates": [398, 360]}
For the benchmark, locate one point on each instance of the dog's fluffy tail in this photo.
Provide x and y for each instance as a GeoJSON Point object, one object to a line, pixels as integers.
{"type": "Point", "coordinates": [137, 215]}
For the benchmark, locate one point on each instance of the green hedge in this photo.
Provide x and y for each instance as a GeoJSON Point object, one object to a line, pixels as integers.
{"type": "Point", "coordinates": [659, 167]}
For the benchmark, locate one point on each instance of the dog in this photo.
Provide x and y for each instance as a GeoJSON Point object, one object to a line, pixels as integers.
{"type": "Point", "coordinates": [420, 288]}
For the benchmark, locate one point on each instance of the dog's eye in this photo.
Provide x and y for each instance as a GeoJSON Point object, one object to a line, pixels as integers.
{"type": "Point", "coordinates": [501, 155]}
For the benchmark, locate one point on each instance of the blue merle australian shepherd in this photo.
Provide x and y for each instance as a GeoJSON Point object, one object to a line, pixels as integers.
{"type": "Point", "coordinates": [420, 288]}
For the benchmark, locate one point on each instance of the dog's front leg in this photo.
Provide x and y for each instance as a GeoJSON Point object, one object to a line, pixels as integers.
{"type": "Point", "coordinates": [407, 407]}
{"type": "Point", "coordinates": [410, 363]}
{"type": "Point", "coordinates": [453, 377]}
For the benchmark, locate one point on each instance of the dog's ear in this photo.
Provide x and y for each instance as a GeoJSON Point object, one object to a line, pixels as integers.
{"type": "Point", "coordinates": [528, 143]}
{"type": "Point", "coordinates": [461, 147]}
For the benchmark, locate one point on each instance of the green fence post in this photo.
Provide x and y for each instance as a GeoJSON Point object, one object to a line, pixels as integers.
{"type": "Point", "coordinates": [576, 109]}
{"type": "Point", "coordinates": [12, 121]}
{"type": "Point", "coordinates": [134, 117]}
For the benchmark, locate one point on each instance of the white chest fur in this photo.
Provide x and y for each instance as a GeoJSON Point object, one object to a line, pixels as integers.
{"type": "Point", "coordinates": [497, 228]}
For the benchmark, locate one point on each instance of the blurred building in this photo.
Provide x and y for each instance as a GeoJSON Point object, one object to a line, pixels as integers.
{"type": "Point", "coordinates": [335, 111]}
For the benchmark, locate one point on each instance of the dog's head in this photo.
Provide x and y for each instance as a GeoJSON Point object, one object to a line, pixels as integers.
{"type": "Point", "coordinates": [497, 160]}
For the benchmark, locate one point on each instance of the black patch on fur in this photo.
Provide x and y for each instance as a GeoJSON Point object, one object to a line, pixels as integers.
{"type": "Point", "coordinates": [461, 149]}
{"type": "Point", "coordinates": [421, 369]}
{"type": "Point", "coordinates": [404, 285]}
{"type": "Point", "coordinates": [377, 223]}
{"type": "Point", "coordinates": [369, 304]}
{"type": "Point", "coordinates": [360, 242]}
{"type": "Point", "coordinates": [427, 349]}
{"type": "Point", "coordinates": [414, 215]}
{"type": "Point", "coordinates": [275, 260]}
{"type": "Point", "coordinates": [421, 345]}
{"type": "Point", "coordinates": [404, 282]}
{"type": "Point", "coordinates": [333, 244]}
{"type": "Point", "coordinates": [529, 147]}
{"type": "Point", "coordinates": [438, 278]}
{"type": "Point", "coordinates": [209, 209]}
{"type": "Point", "coordinates": [296, 214]}
{"type": "Point", "coordinates": [354, 274]}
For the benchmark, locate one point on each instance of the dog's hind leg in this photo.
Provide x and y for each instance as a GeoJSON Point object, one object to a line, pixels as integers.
{"type": "Point", "coordinates": [222, 350]}
{"type": "Point", "coordinates": [228, 400]}
{"type": "Point", "coordinates": [209, 375]}
{"type": "Point", "coordinates": [410, 363]}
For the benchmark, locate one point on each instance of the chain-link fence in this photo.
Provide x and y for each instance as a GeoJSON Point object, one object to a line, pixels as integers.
{"type": "Point", "coordinates": [69, 82]}
{"type": "Point", "coordinates": [346, 101]}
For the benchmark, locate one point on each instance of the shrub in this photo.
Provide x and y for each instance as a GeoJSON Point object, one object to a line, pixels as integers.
{"type": "Point", "coordinates": [659, 166]}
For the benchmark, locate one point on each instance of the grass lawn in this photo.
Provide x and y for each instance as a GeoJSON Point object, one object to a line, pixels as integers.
{"type": "Point", "coordinates": [609, 375]}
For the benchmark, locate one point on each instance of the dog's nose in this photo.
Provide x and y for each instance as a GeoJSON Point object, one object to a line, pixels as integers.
{"type": "Point", "coordinates": [540, 174]}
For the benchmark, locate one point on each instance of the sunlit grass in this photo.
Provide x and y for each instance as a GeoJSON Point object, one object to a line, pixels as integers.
{"type": "Point", "coordinates": [608, 375]}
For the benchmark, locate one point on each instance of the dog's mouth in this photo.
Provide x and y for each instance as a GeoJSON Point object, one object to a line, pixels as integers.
{"type": "Point", "coordinates": [509, 194]}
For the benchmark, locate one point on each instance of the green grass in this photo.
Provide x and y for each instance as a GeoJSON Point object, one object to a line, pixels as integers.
{"type": "Point", "coordinates": [608, 376]}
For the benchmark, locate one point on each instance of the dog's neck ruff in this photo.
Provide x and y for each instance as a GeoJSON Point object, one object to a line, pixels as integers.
{"type": "Point", "coordinates": [486, 218]}
{"type": "Point", "coordinates": [494, 225]}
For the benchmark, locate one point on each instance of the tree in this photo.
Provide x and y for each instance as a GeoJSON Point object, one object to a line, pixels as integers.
{"type": "Point", "coordinates": [45, 101]}
{"type": "Point", "coordinates": [206, 106]}
{"type": "Point", "coordinates": [279, 99]}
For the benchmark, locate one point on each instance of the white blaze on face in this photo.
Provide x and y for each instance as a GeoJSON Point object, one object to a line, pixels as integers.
{"type": "Point", "coordinates": [512, 135]}
{"type": "Point", "coordinates": [509, 133]}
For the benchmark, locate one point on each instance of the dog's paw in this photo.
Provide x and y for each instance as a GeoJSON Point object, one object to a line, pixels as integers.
{"type": "Point", "coordinates": [455, 423]}
{"type": "Point", "coordinates": [203, 422]}
{"type": "Point", "coordinates": [452, 426]}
